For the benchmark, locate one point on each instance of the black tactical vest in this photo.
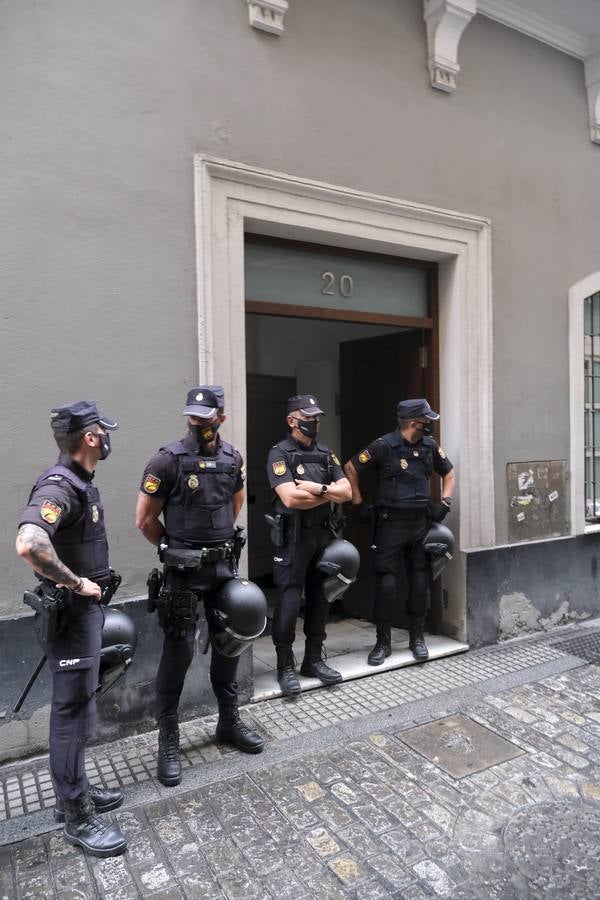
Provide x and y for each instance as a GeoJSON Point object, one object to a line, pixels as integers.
{"type": "Point", "coordinates": [404, 474]}
{"type": "Point", "coordinates": [82, 545]}
{"type": "Point", "coordinates": [307, 464]}
{"type": "Point", "coordinates": [199, 508]}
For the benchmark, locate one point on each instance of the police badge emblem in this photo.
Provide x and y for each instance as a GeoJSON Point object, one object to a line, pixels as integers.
{"type": "Point", "coordinates": [193, 482]}
{"type": "Point", "coordinates": [95, 514]}
{"type": "Point", "coordinates": [151, 484]}
{"type": "Point", "coordinates": [50, 512]}
{"type": "Point", "coordinates": [442, 453]}
{"type": "Point", "coordinates": [300, 469]}
{"type": "Point", "coordinates": [403, 464]}
{"type": "Point", "coordinates": [364, 456]}
{"type": "Point", "coordinates": [279, 467]}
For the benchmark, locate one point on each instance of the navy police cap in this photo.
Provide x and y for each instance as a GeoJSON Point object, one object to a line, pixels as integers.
{"type": "Point", "coordinates": [219, 393]}
{"type": "Point", "coordinates": [75, 416]}
{"type": "Point", "coordinates": [305, 403]}
{"type": "Point", "coordinates": [203, 401]}
{"type": "Point", "coordinates": [415, 409]}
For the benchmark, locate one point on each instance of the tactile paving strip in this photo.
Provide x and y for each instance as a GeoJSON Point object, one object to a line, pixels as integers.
{"type": "Point", "coordinates": [27, 788]}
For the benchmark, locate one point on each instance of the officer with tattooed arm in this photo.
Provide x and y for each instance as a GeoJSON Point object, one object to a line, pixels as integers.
{"type": "Point", "coordinates": [197, 485]}
{"type": "Point", "coordinates": [63, 538]}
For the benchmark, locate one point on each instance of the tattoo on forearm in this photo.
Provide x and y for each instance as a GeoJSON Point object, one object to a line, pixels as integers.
{"type": "Point", "coordinates": [43, 556]}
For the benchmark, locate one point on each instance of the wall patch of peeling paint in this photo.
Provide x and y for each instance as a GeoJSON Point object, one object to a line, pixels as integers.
{"type": "Point", "coordinates": [518, 616]}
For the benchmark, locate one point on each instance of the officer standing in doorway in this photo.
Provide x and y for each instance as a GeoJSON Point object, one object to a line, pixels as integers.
{"type": "Point", "coordinates": [405, 460]}
{"type": "Point", "coordinates": [197, 485]}
{"type": "Point", "coordinates": [63, 538]}
{"type": "Point", "coordinates": [306, 478]}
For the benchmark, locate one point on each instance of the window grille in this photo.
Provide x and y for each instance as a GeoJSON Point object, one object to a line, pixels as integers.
{"type": "Point", "coordinates": [591, 328]}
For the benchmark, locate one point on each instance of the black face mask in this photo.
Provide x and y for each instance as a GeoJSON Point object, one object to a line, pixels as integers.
{"type": "Point", "coordinates": [426, 431]}
{"type": "Point", "coordinates": [105, 447]}
{"type": "Point", "coordinates": [308, 429]}
{"type": "Point", "coordinates": [204, 434]}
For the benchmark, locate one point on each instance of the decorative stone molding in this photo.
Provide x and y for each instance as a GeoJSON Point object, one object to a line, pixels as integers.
{"type": "Point", "coordinates": [232, 197]}
{"type": "Point", "coordinates": [516, 15]}
{"type": "Point", "coordinates": [592, 83]}
{"type": "Point", "coordinates": [267, 15]}
{"type": "Point", "coordinates": [446, 21]}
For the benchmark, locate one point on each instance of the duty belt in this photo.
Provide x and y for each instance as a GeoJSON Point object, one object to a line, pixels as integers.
{"type": "Point", "coordinates": [182, 559]}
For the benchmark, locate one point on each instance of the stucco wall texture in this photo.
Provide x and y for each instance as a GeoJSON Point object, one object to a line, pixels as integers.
{"type": "Point", "coordinates": [103, 107]}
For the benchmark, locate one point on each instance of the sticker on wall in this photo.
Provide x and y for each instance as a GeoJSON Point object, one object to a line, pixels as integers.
{"type": "Point", "coordinates": [525, 480]}
{"type": "Point", "coordinates": [521, 517]}
{"type": "Point", "coordinates": [553, 496]}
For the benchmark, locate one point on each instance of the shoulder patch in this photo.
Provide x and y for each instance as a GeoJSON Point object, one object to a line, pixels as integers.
{"type": "Point", "coordinates": [364, 456]}
{"type": "Point", "coordinates": [279, 467]}
{"type": "Point", "coordinates": [55, 478]}
{"type": "Point", "coordinates": [335, 459]}
{"type": "Point", "coordinates": [50, 511]}
{"type": "Point", "coordinates": [151, 484]}
{"type": "Point", "coordinates": [442, 453]}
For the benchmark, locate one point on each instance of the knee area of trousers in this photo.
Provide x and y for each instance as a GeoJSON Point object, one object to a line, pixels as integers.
{"type": "Point", "coordinates": [386, 585]}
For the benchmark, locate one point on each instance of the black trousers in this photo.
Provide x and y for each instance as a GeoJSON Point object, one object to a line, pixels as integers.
{"type": "Point", "coordinates": [178, 650]}
{"type": "Point", "coordinates": [74, 659]}
{"type": "Point", "coordinates": [293, 570]}
{"type": "Point", "coordinates": [399, 543]}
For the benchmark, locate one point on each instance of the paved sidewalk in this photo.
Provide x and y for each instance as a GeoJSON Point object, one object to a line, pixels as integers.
{"type": "Point", "coordinates": [471, 777]}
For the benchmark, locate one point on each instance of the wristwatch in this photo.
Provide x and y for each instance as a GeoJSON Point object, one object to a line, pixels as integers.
{"type": "Point", "coordinates": [324, 489]}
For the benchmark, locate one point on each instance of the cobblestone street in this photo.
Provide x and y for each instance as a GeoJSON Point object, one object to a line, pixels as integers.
{"type": "Point", "coordinates": [352, 809]}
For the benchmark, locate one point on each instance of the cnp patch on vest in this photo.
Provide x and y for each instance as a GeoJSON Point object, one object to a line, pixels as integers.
{"type": "Point", "coordinates": [193, 481]}
{"type": "Point", "coordinates": [151, 484]}
{"type": "Point", "coordinates": [335, 460]}
{"type": "Point", "coordinates": [442, 453]}
{"type": "Point", "coordinates": [50, 511]}
{"type": "Point", "coordinates": [279, 467]}
{"type": "Point", "coordinates": [95, 513]}
{"type": "Point", "coordinates": [364, 456]}
{"type": "Point", "coordinates": [300, 469]}
{"type": "Point", "coordinates": [404, 464]}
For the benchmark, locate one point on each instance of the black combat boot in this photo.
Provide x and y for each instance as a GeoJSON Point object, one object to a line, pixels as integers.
{"type": "Point", "coordinates": [416, 640]}
{"type": "Point", "coordinates": [102, 800]}
{"type": "Point", "coordinates": [314, 665]}
{"type": "Point", "coordinates": [286, 672]}
{"type": "Point", "coordinates": [85, 830]}
{"type": "Point", "coordinates": [169, 764]}
{"type": "Point", "coordinates": [383, 646]}
{"type": "Point", "coordinates": [231, 730]}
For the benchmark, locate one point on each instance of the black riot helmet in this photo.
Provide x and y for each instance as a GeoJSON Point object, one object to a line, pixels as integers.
{"type": "Point", "coordinates": [237, 616]}
{"type": "Point", "coordinates": [338, 564]}
{"type": "Point", "coordinates": [438, 544]}
{"type": "Point", "coordinates": [119, 638]}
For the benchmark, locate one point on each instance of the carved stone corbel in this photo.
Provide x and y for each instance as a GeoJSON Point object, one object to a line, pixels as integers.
{"type": "Point", "coordinates": [446, 21]}
{"type": "Point", "coordinates": [267, 15]}
{"type": "Point", "coordinates": [592, 83]}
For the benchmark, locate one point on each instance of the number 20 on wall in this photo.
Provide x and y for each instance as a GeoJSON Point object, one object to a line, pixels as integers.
{"type": "Point", "coordinates": [331, 284]}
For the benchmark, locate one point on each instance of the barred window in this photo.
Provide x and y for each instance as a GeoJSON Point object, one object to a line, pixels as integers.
{"type": "Point", "coordinates": [591, 327]}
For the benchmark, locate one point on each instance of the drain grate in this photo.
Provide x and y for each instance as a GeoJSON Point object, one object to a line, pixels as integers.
{"type": "Point", "coordinates": [586, 646]}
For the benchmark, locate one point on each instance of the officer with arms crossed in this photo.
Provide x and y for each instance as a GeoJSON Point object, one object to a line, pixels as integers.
{"type": "Point", "coordinates": [62, 536]}
{"type": "Point", "coordinates": [306, 478]}
{"type": "Point", "coordinates": [197, 484]}
{"type": "Point", "coordinates": [405, 460]}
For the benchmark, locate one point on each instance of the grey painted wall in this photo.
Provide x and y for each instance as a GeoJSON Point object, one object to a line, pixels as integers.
{"type": "Point", "coordinates": [104, 106]}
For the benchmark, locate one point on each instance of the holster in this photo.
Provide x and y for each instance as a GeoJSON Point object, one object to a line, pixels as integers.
{"type": "Point", "coordinates": [49, 606]}
{"type": "Point", "coordinates": [114, 582]}
{"type": "Point", "coordinates": [336, 521]}
{"type": "Point", "coordinates": [277, 525]}
{"type": "Point", "coordinates": [239, 542]}
{"type": "Point", "coordinates": [177, 611]}
{"type": "Point", "coordinates": [154, 582]}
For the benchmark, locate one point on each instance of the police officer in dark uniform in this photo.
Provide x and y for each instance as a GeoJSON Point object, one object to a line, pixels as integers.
{"type": "Point", "coordinates": [405, 460]}
{"type": "Point", "coordinates": [306, 478]}
{"type": "Point", "coordinates": [197, 485]}
{"type": "Point", "coordinates": [63, 538]}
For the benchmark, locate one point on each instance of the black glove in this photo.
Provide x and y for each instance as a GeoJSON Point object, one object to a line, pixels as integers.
{"type": "Point", "coordinates": [438, 511]}
{"type": "Point", "coordinates": [361, 513]}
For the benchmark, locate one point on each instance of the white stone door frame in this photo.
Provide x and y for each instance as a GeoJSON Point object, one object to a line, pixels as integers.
{"type": "Point", "coordinates": [232, 198]}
